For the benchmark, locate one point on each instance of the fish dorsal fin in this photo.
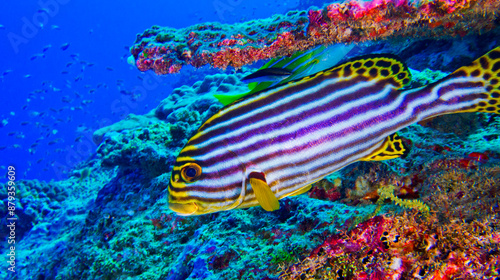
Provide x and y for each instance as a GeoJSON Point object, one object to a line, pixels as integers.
{"type": "Point", "coordinates": [392, 147]}
{"type": "Point", "coordinates": [263, 192]}
{"type": "Point", "coordinates": [375, 67]}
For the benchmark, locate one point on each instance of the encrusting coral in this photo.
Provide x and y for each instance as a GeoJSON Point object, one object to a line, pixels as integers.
{"type": "Point", "coordinates": [465, 194]}
{"type": "Point", "coordinates": [166, 50]}
{"type": "Point", "coordinates": [453, 232]}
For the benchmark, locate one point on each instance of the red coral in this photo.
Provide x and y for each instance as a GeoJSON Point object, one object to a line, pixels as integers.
{"type": "Point", "coordinates": [317, 23]}
{"type": "Point", "coordinates": [479, 157]}
{"type": "Point", "coordinates": [332, 194]}
{"type": "Point", "coordinates": [325, 190]}
{"type": "Point", "coordinates": [365, 235]}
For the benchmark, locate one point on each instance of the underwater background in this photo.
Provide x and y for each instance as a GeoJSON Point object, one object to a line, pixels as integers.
{"type": "Point", "coordinates": [88, 140]}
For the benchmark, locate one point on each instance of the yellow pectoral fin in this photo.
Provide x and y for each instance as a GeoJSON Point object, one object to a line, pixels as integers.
{"type": "Point", "coordinates": [264, 195]}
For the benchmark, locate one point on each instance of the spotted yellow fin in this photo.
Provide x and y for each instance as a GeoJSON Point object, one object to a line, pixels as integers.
{"type": "Point", "coordinates": [392, 147]}
{"type": "Point", "coordinates": [264, 195]}
{"type": "Point", "coordinates": [378, 67]}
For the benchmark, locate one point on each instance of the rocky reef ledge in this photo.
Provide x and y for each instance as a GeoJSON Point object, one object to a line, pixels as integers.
{"type": "Point", "coordinates": [166, 50]}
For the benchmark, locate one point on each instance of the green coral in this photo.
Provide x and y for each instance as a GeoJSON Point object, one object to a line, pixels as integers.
{"type": "Point", "coordinates": [105, 265]}
{"type": "Point", "coordinates": [286, 255]}
{"type": "Point", "coordinates": [425, 77]}
{"type": "Point", "coordinates": [387, 192]}
{"type": "Point", "coordinates": [282, 256]}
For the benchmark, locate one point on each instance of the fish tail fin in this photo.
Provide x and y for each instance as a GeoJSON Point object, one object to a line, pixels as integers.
{"type": "Point", "coordinates": [475, 86]}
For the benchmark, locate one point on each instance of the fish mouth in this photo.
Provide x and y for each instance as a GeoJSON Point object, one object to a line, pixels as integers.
{"type": "Point", "coordinates": [183, 209]}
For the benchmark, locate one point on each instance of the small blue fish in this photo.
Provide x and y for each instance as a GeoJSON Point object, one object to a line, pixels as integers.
{"type": "Point", "coordinates": [64, 46]}
{"type": "Point", "coordinates": [46, 48]}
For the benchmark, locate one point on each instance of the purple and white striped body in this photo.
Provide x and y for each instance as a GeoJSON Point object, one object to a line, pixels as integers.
{"type": "Point", "coordinates": [302, 131]}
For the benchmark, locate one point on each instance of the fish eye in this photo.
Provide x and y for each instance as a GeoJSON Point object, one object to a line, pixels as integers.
{"type": "Point", "coordinates": [190, 172]}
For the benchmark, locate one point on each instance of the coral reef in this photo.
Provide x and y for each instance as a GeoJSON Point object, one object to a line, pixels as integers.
{"type": "Point", "coordinates": [38, 200]}
{"type": "Point", "coordinates": [151, 142]}
{"type": "Point", "coordinates": [120, 231]}
{"type": "Point", "coordinates": [465, 193]}
{"type": "Point", "coordinates": [110, 218]}
{"type": "Point", "coordinates": [387, 192]}
{"type": "Point", "coordinates": [166, 50]}
{"type": "Point", "coordinates": [130, 122]}
{"type": "Point", "coordinates": [326, 190]}
{"type": "Point", "coordinates": [406, 247]}
{"type": "Point", "coordinates": [456, 237]}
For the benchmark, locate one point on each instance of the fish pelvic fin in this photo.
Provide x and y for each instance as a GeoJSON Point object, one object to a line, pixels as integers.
{"type": "Point", "coordinates": [184, 209]}
{"type": "Point", "coordinates": [263, 192]}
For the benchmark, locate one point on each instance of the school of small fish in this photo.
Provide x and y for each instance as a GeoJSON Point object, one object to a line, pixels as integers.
{"type": "Point", "coordinates": [55, 101]}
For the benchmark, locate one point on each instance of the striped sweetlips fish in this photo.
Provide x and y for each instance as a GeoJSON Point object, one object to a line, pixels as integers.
{"type": "Point", "coordinates": [275, 142]}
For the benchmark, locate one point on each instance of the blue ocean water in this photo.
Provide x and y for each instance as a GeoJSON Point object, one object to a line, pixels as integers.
{"type": "Point", "coordinates": [64, 72]}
